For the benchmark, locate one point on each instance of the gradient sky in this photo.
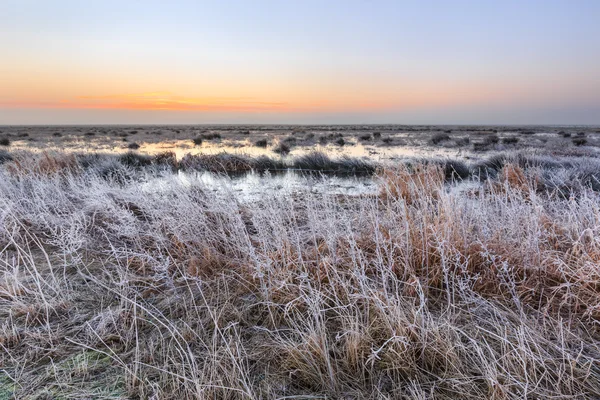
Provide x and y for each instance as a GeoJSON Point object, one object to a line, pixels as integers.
{"type": "Point", "coordinates": [325, 61]}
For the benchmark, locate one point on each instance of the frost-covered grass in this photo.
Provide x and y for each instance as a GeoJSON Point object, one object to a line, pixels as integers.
{"type": "Point", "coordinates": [432, 289]}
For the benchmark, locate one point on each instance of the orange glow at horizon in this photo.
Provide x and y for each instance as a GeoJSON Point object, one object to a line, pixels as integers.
{"type": "Point", "coordinates": [340, 100]}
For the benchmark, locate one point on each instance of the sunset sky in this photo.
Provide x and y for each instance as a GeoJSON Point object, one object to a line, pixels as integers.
{"type": "Point", "coordinates": [325, 61]}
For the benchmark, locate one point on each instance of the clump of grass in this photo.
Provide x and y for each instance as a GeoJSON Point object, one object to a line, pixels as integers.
{"type": "Point", "coordinates": [486, 143]}
{"type": "Point", "coordinates": [290, 140]}
{"type": "Point", "coordinates": [439, 138]}
{"type": "Point", "coordinates": [377, 135]}
{"type": "Point", "coordinates": [480, 146]}
{"type": "Point", "coordinates": [198, 140]}
{"type": "Point", "coordinates": [510, 140]}
{"type": "Point", "coordinates": [365, 137]}
{"type": "Point", "coordinates": [282, 148]}
{"type": "Point", "coordinates": [453, 170]}
{"type": "Point", "coordinates": [211, 136]}
{"type": "Point", "coordinates": [261, 143]}
{"type": "Point", "coordinates": [463, 141]}
{"type": "Point", "coordinates": [315, 161]}
{"type": "Point", "coordinates": [491, 139]}
{"type": "Point", "coordinates": [5, 156]}
{"type": "Point", "coordinates": [219, 163]}
{"type": "Point", "coordinates": [135, 160]}
{"type": "Point", "coordinates": [340, 141]}
{"type": "Point", "coordinates": [4, 141]}
{"type": "Point", "coordinates": [579, 141]}
{"type": "Point", "coordinates": [265, 163]}
{"type": "Point", "coordinates": [166, 158]}
{"type": "Point", "coordinates": [133, 146]}
{"type": "Point", "coordinates": [319, 162]}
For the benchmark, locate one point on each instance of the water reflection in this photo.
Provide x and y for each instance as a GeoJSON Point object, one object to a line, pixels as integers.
{"type": "Point", "coordinates": [375, 152]}
{"type": "Point", "coordinates": [252, 186]}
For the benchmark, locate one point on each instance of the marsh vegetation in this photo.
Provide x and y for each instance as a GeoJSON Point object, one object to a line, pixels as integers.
{"type": "Point", "coordinates": [453, 279]}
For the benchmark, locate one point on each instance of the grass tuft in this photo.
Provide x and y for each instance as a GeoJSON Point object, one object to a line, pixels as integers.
{"type": "Point", "coordinates": [261, 143]}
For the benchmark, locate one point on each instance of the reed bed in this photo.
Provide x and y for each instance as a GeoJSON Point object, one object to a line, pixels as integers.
{"type": "Point", "coordinates": [432, 289]}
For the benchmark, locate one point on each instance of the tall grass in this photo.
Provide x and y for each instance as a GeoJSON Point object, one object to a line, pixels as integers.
{"type": "Point", "coordinates": [172, 291]}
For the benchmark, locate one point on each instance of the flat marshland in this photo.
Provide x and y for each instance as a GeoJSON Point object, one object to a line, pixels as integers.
{"type": "Point", "coordinates": [127, 276]}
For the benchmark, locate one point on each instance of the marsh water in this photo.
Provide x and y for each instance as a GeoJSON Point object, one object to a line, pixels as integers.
{"type": "Point", "coordinates": [377, 144]}
{"type": "Point", "coordinates": [252, 186]}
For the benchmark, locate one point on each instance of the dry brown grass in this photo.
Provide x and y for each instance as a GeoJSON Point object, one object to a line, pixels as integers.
{"type": "Point", "coordinates": [423, 292]}
{"type": "Point", "coordinates": [44, 164]}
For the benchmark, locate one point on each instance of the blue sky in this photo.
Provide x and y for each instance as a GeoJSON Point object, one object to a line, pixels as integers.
{"type": "Point", "coordinates": [432, 62]}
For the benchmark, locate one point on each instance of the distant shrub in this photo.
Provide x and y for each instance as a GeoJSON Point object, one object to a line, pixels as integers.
{"type": "Point", "coordinates": [564, 134]}
{"type": "Point", "coordinates": [261, 143]}
{"type": "Point", "coordinates": [340, 141]}
{"type": "Point", "coordinates": [580, 141]}
{"type": "Point", "coordinates": [527, 133]}
{"type": "Point", "coordinates": [134, 132]}
{"type": "Point", "coordinates": [21, 135]}
{"type": "Point", "coordinates": [439, 138]}
{"type": "Point", "coordinates": [282, 149]}
{"type": "Point", "coordinates": [133, 146]}
{"type": "Point", "coordinates": [365, 137]}
{"type": "Point", "coordinates": [57, 134]}
{"type": "Point", "coordinates": [211, 136]}
{"type": "Point", "coordinates": [463, 141]}
{"type": "Point", "coordinates": [510, 140]}
{"type": "Point", "coordinates": [197, 140]}
{"type": "Point", "coordinates": [377, 135]}
{"type": "Point", "coordinates": [290, 140]}
{"type": "Point", "coordinates": [4, 141]}
{"type": "Point", "coordinates": [480, 146]}
{"type": "Point", "coordinates": [90, 133]}
{"type": "Point", "coordinates": [387, 140]}
{"type": "Point", "coordinates": [245, 132]}
{"type": "Point", "coordinates": [491, 139]}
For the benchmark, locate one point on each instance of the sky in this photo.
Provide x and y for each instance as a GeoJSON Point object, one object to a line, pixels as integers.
{"type": "Point", "coordinates": [300, 62]}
